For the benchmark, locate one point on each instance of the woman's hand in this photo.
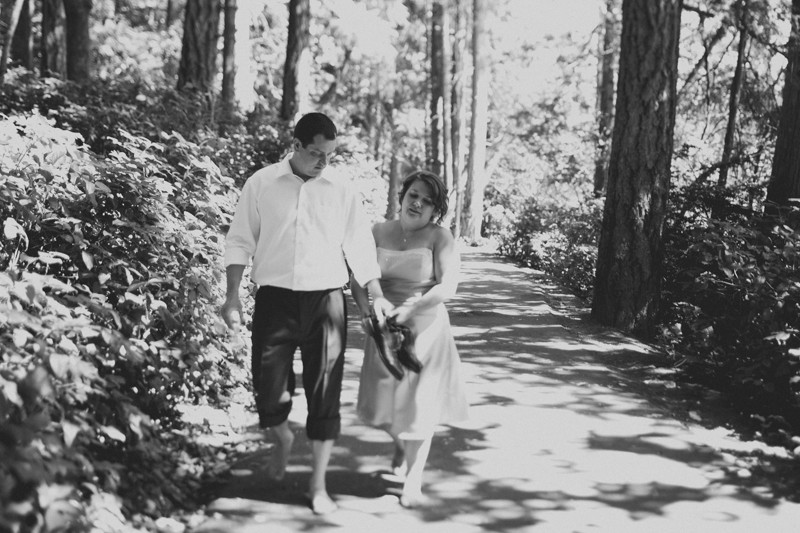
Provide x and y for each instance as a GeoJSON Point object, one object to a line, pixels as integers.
{"type": "Point", "coordinates": [403, 313]}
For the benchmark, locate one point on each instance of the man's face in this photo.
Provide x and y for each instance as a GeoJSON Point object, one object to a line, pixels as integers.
{"type": "Point", "coordinates": [308, 161]}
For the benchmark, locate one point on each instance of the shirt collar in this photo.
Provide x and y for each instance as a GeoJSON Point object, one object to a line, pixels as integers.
{"type": "Point", "coordinates": [286, 169]}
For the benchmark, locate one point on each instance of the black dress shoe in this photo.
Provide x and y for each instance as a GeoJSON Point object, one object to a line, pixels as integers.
{"type": "Point", "coordinates": [404, 345]}
{"type": "Point", "coordinates": [385, 342]}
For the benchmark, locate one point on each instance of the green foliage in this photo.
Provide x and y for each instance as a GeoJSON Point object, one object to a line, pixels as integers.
{"type": "Point", "coordinates": [97, 111]}
{"type": "Point", "coordinates": [557, 240]}
{"type": "Point", "coordinates": [109, 283]}
{"type": "Point", "coordinates": [732, 299]}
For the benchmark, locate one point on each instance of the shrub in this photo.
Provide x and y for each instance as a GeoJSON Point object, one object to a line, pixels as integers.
{"type": "Point", "coordinates": [109, 283]}
{"type": "Point", "coordinates": [559, 241]}
{"type": "Point", "coordinates": [732, 300]}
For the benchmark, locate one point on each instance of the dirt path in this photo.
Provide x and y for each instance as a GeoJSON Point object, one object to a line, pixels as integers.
{"type": "Point", "coordinates": [573, 429]}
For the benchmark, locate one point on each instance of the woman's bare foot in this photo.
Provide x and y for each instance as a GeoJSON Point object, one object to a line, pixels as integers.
{"type": "Point", "coordinates": [284, 438]}
{"type": "Point", "coordinates": [321, 503]}
{"type": "Point", "coordinates": [399, 466]}
{"type": "Point", "coordinates": [412, 498]}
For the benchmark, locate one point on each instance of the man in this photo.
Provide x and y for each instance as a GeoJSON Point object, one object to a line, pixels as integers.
{"type": "Point", "coordinates": [299, 225]}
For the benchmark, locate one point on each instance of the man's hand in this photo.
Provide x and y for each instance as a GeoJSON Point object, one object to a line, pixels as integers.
{"type": "Point", "coordinates": [232, 313]}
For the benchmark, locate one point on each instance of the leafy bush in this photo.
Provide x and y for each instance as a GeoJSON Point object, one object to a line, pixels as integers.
{"type": "Point", "coordinates": [109, 283]}
{"type": "Point", "coordinates": [557, 240]}
{"type": "Point", "coordinates": [732, 300]}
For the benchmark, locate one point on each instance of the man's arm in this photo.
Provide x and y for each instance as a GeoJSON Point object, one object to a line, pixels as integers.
{"type": "Point", "coordinates": [232, 308]}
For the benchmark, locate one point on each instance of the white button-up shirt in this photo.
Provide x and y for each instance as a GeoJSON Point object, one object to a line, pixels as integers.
{"type": "Point", "coordinates": [298, 233]}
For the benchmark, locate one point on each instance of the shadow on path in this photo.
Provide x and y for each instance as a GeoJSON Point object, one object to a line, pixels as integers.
{"type": "Point", "coordinates": [574, 428]}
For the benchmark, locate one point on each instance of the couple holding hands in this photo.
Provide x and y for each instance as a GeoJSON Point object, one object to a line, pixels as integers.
{"type": "Point", "coordinates": [302, 228]}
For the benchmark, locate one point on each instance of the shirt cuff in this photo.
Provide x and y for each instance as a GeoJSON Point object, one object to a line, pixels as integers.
{"type": "Point", "coordinates": [235, 256]}
{"type": "Point", "coordinates": [365, 274]}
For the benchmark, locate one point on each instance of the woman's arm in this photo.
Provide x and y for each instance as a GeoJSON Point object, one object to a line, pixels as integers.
{"type": "Point", "coordinates": [446, 263]}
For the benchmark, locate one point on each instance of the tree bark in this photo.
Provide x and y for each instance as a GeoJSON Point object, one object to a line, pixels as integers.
{"type": "Point", "coordinates": [447, 83]}
{"type": "Point", "coordinates": [605, 94]}
{"type": "Point", "coordinates": [395, 176]}
{"type": "Point", "coordinates": [229, 60]}
{"type": "Point", "coordinates": [436, 86]}
{"type": "Point", "coordinates": [10, 19]}
{"type": "Point", "coordinates": [733, 100]}
{"type": "Point", "coordinates": [22, 43]}
{"type": "Point", "coordinates": [457, 113]}
{"type": "Point", "coordinates": [473, 195]}
{"type": "Point", "coordinates": [54, 42]}
{"type": "Point", "coordinates": [198, 65]}
{"type": "Point", "coordinates": [79, 42]}
{"type": "Point", "coordinates": [630, 254]}
{"type": "Point", "coordinates": [784, 184]}
{"type": "Point", "coordinates": [395, 171]}
{"type": "Point", "coordinates": [296, 49]}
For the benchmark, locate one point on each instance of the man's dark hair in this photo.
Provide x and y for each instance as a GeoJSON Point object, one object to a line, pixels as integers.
{"type": "Point", "coordinates": [313, 124]}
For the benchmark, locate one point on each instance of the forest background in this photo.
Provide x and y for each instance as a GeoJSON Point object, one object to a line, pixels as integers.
{"type": "Point", "coordinates": [127, 128]}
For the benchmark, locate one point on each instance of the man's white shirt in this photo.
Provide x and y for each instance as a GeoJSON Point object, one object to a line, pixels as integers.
{"type": "Point", "coordinates": [298, 233]}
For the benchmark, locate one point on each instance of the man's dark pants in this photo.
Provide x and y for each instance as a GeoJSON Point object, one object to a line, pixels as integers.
{"type": "Point", "coordinates": [315, 322]}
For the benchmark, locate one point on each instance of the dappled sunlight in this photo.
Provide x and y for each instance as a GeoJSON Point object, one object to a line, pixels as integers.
{"type": "Point", "coordinates": [566, 433]}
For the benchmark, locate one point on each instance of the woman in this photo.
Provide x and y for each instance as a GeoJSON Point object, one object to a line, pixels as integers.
{"type": "Point", "coordinates": [419, 269]}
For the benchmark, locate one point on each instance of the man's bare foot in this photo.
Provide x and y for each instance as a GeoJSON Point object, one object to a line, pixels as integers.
{"type": "Point", "coordinates": [321, 503]}
{"type": "Point", "coordinates": [284, 438]}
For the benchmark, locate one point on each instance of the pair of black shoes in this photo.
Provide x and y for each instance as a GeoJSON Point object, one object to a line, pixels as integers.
{"type": "Point", "coordinates": [395, 344]}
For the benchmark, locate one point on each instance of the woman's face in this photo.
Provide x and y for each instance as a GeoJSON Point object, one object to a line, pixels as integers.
{"type": "Point", "coordinates": [417, 203]}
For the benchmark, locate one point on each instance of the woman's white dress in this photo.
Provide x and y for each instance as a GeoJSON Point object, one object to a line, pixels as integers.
{"type": "Point", "coordinates": [413, 406]}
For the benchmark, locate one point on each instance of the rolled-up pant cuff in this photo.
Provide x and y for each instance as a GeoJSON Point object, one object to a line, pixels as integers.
{"type": "Point", "coordinates": [268, 420]}
{"type": "Point", "coordinates": [328, 429]}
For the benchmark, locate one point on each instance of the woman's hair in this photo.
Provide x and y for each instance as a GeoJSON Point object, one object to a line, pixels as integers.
{"type": "Point", "coordinates": [438, 191]}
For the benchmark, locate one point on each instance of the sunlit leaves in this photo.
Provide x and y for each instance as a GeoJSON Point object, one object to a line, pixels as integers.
{"type": "Point", "coordinates": [13, 230]}
{"type": "Point", "coordinates": [105, 310]}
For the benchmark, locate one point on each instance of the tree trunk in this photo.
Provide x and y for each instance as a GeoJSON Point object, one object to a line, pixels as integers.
{"type": "Point", "coordinates": [784, 184]}
{"type": "Point", "coordinates": [22, 43]}
{"type": "Point", "coordinates": [246, 74]}
{"type": "Point", "coordinates": [395, 176]}
{"type": "Point", "coordinates": [457, 113]}
{"type": "Point", "coordinates": [10, 16]}
{"type": "Point", "coordinates": [605, 94]}
{"type": "Point", "coordinates": [447, 83]}
{"type": "Point", "coordinates": [198, 65]}
{"type": "Point", "coordinates": [54, 43]}
{"type": "Point", "coordinates": [473, 195]}
{"type": "Point", "coordinates": [79, 42]}
{"type": "Point", "coordinates": [628, 275]}
{"type": "Point", "coordinates": [229, 61]}
{"type": "Point", "coordinates": [168, 15]}
{"type": "Point", "coordinates": [296, 49]}
{"type": "Point", "coordinates": [437, 86]}
{"type": "Point", "coordinates": [733, 100]}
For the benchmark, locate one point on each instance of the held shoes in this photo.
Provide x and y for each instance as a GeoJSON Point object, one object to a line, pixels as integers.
{"type": "Point", "coordinates": [395, 343]}
{"type": "Point", "coordinates": [404, 345]}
